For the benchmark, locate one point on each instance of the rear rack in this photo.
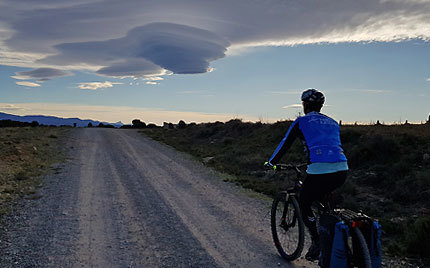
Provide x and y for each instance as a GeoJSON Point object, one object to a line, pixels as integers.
{"type": "Point", "coordinates": [349, 216]}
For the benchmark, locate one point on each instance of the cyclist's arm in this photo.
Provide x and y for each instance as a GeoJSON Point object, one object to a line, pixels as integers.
{"type": "Point", "coordinates": [292, 133]}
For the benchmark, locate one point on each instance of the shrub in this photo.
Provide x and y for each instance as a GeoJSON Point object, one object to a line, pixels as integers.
{"type": "Point", "coordinates": [138, 124]}
{"type": "Point", "coordinates": [372, 149]}
{"type": "Point", "coordinates": [418, 237]}
{"type": "Point", "coordinates": [182, 124]}
{"type": "Point", "coordinates": [349, 136]}
{"type": "Point", "coordinates": [11, 123]}
{"type": "Point", "coordinates": [126, 126]}
{"type": "Point", "coordinates": [393, 228]}
{"type": "Point", "coordinates": [227, 141]}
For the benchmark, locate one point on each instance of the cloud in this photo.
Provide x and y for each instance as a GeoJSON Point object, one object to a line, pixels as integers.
{"type": "Point", "coordinates": [10, 107]}
{"type": "Point", "coordinates": [147, 50]}
{"type": "Point", "coordinates": [153, 78]}
{"type": "Point", "coordinates": [41, 74]}
{"type": "Point", "coordinates": [139, 38]}
{"type": "Point", "coordinates": [428, 79]}
{"type": "Point", "coordinates": [132, 68]}
{"type": "Point", "coordinates": [373, 91]}
{"type": "Point", "coordinates": [286, 92]}
{"type": "Point", "coordinates": [151, 83]}
{"type": "Point", "coordinates": [294, 106]}
{"type": "Point", "coordinates": [97, 85]}
{"type": "Point", "coordinates": [27, 84]}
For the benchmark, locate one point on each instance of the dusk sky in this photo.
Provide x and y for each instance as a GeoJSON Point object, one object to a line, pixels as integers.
{"type": "Point", "coordinates": [215, 60]}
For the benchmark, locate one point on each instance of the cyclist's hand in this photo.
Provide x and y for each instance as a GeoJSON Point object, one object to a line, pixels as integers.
{"type": "Point", "coordinates": [269, 165]}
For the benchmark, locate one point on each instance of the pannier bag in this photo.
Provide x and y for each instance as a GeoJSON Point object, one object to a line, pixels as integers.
{"type": "Point", "coordinates": [375, 248]}
{"type": "Point", "coordinates": [372, 233]}
{"type": "Point", "coordinates": [333, 238]}
{"type": "Point", "coordinates": [339, 252]}
{"type": "Point", "coordinates": [335, 252]}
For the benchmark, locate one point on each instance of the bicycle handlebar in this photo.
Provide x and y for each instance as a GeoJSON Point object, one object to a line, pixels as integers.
{"type": "Point", "coordinates": [290, 166]}
{"type": "Point", "coordinates": [296, 168]}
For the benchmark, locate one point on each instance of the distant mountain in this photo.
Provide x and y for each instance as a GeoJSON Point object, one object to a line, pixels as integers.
{"type": "Point", "coordinates": [52, 120]}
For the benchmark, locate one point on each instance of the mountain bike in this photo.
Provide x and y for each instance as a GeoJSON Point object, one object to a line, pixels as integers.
{"type": "Point", "coordinates": [288, 229]}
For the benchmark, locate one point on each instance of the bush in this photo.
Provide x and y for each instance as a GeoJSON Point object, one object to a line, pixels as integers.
{"type": "Point", "coordinates": [11, 123]}
{"type": "Point", "coordinates": [349, 136]}
{"type": "Point", "coordinates": [182, 124]}
{"type": "Point", "coordinates": [138, 124]}
{"type": "Point", "coordinates": [374, 149]}
{"type": "Point", "coordinates": [105, 125]}
{"type": "Point", "coordinates": [418, 237]}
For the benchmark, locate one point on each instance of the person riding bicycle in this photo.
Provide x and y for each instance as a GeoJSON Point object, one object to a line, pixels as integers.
{"type": "Point", "coordinates": [327, 164]}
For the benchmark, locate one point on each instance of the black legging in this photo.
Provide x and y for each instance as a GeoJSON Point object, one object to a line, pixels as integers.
{"type": "Point", "coordinates": [314, 188]}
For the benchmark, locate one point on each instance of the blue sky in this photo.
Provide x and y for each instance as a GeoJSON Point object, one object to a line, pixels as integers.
{"type": "Point", "coordinates": [368, 71]}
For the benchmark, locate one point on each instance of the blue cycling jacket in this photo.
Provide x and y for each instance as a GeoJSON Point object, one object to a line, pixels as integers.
{"type": "Point", "coordinates": [320, 135]}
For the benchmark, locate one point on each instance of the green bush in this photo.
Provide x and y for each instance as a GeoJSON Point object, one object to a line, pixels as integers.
{"type": "Point", "coordinates": [372, 149]}
{"type": "Point", "coordinates": [393, 228]}
{"type": "Point", "coordinates": [418, 237]}
{"type": "Point", "coordinates": [349, 136]}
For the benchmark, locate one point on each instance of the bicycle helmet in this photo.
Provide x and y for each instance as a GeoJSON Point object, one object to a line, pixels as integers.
{"type": "Point", "coordinates": [313, 96]}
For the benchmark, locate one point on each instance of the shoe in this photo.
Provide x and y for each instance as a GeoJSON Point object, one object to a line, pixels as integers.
{"type": "Point", "coordinates": [314, 251]}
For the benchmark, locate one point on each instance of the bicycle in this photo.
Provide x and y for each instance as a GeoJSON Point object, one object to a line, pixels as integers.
{"type": "Point", "coordinates": [286, 217]}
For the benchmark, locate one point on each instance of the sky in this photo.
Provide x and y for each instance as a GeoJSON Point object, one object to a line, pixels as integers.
{"type": "Point", "coordinates": [204, 60]}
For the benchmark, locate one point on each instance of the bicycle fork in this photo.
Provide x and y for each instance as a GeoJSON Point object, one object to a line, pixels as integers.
{"type": "Point", "coordinates": [287, 223]}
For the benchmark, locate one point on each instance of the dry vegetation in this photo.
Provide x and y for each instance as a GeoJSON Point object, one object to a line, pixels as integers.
{"type": "Point", "coordinates": [389, 177]}
{"type": "Point", "coordinates": [25, 154]}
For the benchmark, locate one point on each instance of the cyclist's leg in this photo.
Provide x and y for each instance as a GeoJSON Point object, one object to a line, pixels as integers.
{"type": "Point", "coordinates": [309, 193]}
{"type": "Point", "coordinates": [314, 188]}
{"type": "Point", "coordinates": [334, 181]}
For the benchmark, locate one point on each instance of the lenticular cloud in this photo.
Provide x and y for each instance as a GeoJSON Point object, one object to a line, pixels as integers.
{"type": "Point", "coordinates": [147, 50]}
{"type": "Point", "coordinates": [41, 74]}
{"type": "Point", "coordinates": [153, 37]}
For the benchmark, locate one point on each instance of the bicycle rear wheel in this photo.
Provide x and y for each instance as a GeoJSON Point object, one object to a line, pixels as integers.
{"type": "Point", "coordinates": [287, 227]}
{"type": "Point", "coordinates": [361, 256]}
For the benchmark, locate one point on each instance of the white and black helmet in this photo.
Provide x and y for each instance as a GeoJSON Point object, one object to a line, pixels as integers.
{"type": "Point", "coordinates": [313, 96]}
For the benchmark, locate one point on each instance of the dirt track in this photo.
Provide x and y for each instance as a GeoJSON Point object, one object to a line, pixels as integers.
{"type": "Point", "coordinates": [123, 200]}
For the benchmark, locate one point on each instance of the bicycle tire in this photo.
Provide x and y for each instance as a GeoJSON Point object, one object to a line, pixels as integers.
{"type": "Point", "coordinates": [361, 252]}
{"type": "Point", "coordinates": [291, 228]}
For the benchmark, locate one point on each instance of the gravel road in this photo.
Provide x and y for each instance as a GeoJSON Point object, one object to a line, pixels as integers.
{"type": "Point", "coordinates": [123, 200]}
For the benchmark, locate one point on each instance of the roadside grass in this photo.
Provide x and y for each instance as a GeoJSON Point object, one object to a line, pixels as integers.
{"type": "Point", "coordinates": [26, 153]}
{"type": "Point", "coordinates": [389, 175]}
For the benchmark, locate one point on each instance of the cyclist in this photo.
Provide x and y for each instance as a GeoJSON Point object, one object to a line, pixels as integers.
{"type": "Point", "coordinates": [327, 164]}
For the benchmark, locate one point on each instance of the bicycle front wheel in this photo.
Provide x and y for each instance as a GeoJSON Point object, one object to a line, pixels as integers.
{"type": "Point", "coordinates": [287, 227]}
{"type": "Point", "coordinates": [361, 256]}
